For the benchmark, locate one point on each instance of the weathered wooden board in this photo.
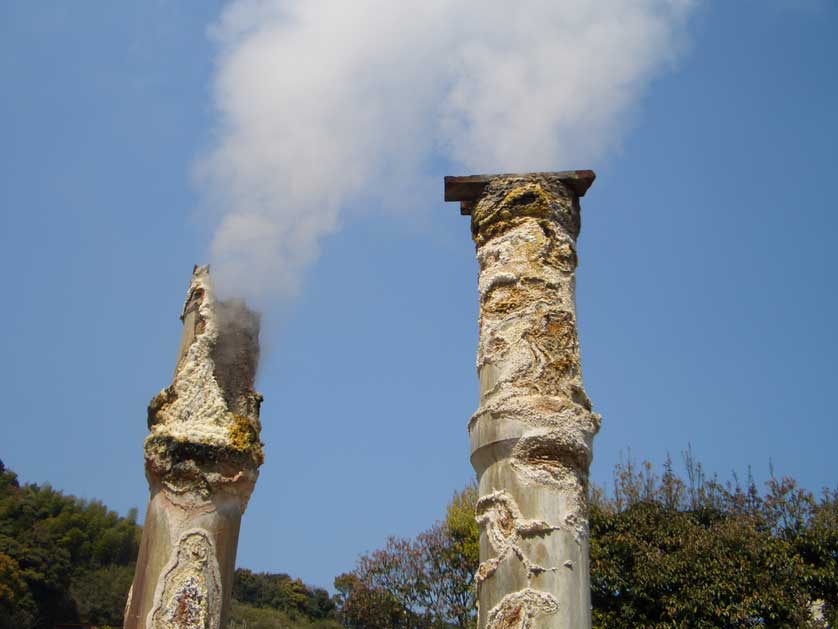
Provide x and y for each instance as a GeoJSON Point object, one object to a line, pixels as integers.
{"type": "Point", "coordinates": [469, 188]}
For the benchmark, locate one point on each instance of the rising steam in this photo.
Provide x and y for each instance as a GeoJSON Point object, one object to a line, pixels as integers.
{"type": "Point", "coordinates": [327, 104]}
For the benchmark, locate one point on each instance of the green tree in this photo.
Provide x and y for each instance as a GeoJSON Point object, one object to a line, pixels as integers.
{"type": "Point", "coordinates": [281, 592]}
{"type": "Point", "coordinates": [666, 551]}
{"type": "Point", "coordinates": [100, 594]}
{"type": "Point", "coordinates": [462, 556]}
{"type": "Point", "coordinates": [816, 543]}
{"type": "Point", "coordinates": [17, 608]}
{"type": "Point", "coordinates": [365, 607]}
{"type": "Point", "coordinates": [700, 553]}
{"type": "Point", "coordinates": [244, 616]}
{"type": "Point", "coordinates": [57, 540]}
{"type": "Point", "coordinates": [654, 567]}
{"type": "Point", "coordinates": [63, 559]}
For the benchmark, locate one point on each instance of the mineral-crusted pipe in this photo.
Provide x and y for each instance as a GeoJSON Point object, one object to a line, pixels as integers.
{"type": "Point", "coordinates": [201, 460]}
{"type": "Point", "coordinates": [531, 436]}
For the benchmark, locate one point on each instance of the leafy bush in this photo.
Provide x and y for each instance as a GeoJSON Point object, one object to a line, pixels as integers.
{"type": "Point", "coordinates": [666, 551]}
{"type": "Point", "coordinates": [57, 546]}
{"type": "Point", "coordinates": [243, 616]}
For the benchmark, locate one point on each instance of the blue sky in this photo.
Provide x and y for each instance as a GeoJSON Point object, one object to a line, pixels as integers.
{"type": "Point", "coordinates": [706, 290]}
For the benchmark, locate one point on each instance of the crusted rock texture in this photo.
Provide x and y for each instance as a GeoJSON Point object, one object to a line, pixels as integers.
{"type": "Point", "coordinates": [532, 435]}
{"type": "Point", "coordinates": [520, 610]}
{"type": "Point", "coordinates": [202, 459]}
{"type": "Point", "coordinates": [188, 595]}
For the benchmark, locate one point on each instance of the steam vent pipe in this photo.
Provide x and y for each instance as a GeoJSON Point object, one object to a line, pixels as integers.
{"type": "Point", "coordinates": [532, 435]}
{"type": "Point", "coordinates": [201, 460]}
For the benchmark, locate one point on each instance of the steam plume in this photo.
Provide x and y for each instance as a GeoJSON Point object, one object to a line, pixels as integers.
{"type": "Point", "coordinates": [321, 101]}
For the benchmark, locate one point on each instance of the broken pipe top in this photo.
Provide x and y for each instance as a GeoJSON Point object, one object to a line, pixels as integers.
{"type": "Point", "coordinates": [211, 401]}
{"type": "Point", "coordinates": [468, 189]}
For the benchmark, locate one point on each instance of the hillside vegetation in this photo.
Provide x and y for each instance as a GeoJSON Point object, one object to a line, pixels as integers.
{"type": "Point", "coordinates": [666, 551]}
{"type": "Point", "coordinates": [63, 559]}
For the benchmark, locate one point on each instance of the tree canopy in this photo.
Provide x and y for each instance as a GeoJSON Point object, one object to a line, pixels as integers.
{"type": "Point", "coordinates": [669, 552]}
{"type": "Point", "coordinates": [64, 559]}
{"type": "Point", "coordinates": [283, 593]}
{"type": "Point", "coordinates": [61, 557]}
{"type": "Point", "coordinates": [666, 551]}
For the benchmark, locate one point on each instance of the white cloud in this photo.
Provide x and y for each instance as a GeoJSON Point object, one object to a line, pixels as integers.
{"type": "Point", "coordinates": [321, 102]}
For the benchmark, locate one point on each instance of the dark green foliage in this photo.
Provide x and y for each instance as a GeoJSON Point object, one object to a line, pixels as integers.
{"type": "Point", "coordinates": [63, 559]}
{"type": "Point", "coordinates": [817, 545]}
{"type": "Point", "coordinates": [17, 607]}
{"type": "Point", "coordinates": [100, 594]}
{"type": "Point", "coordinates": [277, 601]}
{"type": "Point", "coordinates": [281, 592]}
{"type": "Point", "coordinates": [57, 546]}
{"type": "Point", "coordinates": [670, 553]}
{"type": "Point", "coordinates": [666, 552]}
{"type": "Point", "coordinates": [244, 616]}
{"type": "Point", "coordinates": [656, 567]}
